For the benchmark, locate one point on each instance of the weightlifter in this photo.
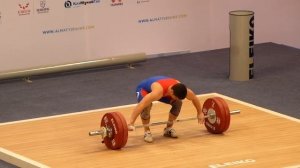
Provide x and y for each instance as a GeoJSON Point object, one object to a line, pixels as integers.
{"type": "Point", "coordinates": [166, 90]}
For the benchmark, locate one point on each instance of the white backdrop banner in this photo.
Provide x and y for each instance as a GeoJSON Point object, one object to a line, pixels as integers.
{"type": "Point", "coordinates": [39, 33]}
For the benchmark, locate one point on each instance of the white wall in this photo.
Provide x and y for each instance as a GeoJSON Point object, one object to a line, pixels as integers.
{"type": "Point", "coordinates": [103, 30]}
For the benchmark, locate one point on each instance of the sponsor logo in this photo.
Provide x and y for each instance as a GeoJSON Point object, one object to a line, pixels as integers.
{"type": "Point", "coordinates": [116, 3]}
{"type": "Point", "coordinates": [43, 7]}
{"type": "Point", "coordinates": [142, 1]}
{"type": "Point", "coordinates": [68, 4]}
{"type": "Point", "coordinates": [76, 4]}
{"type": "Point", "coordinates": [234, 163]}
{"type": "Point", "coordinates": [23, 9]}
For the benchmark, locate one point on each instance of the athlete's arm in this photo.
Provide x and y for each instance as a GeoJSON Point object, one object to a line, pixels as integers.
{"type": "Point", "coordinates": [155, 94]}
{"type": "Point", "coordinates": [192, 97]}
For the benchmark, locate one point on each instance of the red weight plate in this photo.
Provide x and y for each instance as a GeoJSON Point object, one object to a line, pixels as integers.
{"type": "Point", "coordinates": [221, 115]}
{"type": "Point", "coordinates": [117, 131]}
{"type": "Point", "coordinates": [227, 113]}
{"type": "Point", "coordinates": [216, 124]}
{"type": "Point", "coordinates": [109, 122]}
{"type": "Point", "coordinates": [125, 129]}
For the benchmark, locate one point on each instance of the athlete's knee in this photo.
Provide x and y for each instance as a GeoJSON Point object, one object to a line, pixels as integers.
{"type": "Point", "coordinates": [145, 115]}
{"type": "Point", "coordinates": [176, 107]}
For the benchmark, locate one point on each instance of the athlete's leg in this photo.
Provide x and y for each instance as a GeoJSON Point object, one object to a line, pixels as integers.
{"type": "Point", "coordinates": [174, 112]}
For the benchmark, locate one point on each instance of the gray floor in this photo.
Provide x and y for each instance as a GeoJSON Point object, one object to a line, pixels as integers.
{"type": "Point", "coordinates": [276, 84]}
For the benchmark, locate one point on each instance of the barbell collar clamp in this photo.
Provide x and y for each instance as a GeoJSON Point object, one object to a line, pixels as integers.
{"type": "Point", "coordinates": [102, 132]}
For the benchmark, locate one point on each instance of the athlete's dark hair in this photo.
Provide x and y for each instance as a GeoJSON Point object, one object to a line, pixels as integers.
{"type": "Point", "coordinates": [179, 90]}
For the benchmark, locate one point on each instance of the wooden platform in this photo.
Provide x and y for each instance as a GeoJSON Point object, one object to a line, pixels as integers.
{"type": "Point", "coordinates": [256, 138]}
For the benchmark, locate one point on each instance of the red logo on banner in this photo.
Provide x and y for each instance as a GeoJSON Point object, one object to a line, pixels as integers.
{"type": "Point", "coordinates": [24, 9]}
{"type": "Point", "coordinates": [116, 2]}
{"type": "Point", "coordinates": [24, 6]}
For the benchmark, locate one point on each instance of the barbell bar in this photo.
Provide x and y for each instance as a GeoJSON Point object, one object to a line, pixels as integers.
{"type": "Point", "coordinates": [103, 131]}
{"type": "Point", "coordinates": [114, 129]}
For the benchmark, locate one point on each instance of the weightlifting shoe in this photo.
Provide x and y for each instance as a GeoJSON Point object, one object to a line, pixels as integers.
{"type": "Point", "coordinates": [148, 137]}
{"type": "Point", "coordinates": [170, 132]}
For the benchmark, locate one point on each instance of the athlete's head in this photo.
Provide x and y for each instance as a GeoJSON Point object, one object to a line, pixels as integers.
{"type": "Point", "coordinates": [179, 90]}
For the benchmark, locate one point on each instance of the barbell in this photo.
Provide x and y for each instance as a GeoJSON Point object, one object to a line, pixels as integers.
{"type": "Point", "coordinates": [114, 130]}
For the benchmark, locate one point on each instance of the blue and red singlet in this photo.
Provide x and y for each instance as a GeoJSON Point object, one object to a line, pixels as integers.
{"type": "Point", "coordinates": [145, 87]}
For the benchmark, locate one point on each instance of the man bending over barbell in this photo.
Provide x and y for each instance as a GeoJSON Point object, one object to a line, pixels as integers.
{"type": "Point", "coordinates": [166, 90]}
